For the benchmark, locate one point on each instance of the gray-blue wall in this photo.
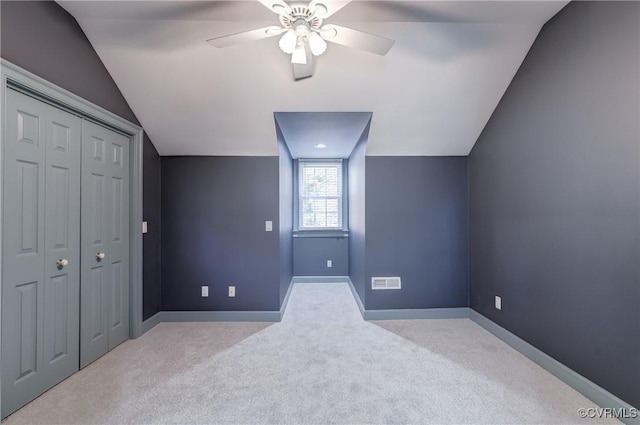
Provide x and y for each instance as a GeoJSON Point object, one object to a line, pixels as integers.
{"type": "Point", "coordinates": [213, 233]}
{"type": "Point", "coordinates": [286, 213]}
{"type": "Point", "coordinates": [310, 255]}
{"type": "Point", "coordinates": [357, 191]}
{"type": "Point", "coordinates": [554, 197]}
{"type": "Point", "coordinates": [41, 37]}
{"type": "Point", "coordinates": [417, 228]}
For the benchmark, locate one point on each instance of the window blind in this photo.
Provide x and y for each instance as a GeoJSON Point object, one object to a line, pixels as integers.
{"type": "Point", "coordinates": [320, 194]}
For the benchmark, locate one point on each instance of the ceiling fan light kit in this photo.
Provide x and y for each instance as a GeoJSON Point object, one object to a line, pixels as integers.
{"type": "Point", "coordinates": [288, 42]}
{"type": "Point", "coordinates": [317, 44]}
{"type": "Point", "coordinates": [303, 31]}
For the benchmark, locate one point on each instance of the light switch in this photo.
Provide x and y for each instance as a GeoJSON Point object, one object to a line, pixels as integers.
{"type": "Point", "coordinates": [144, 227]}
{"type": "Point", "coordinates": [268, 226]}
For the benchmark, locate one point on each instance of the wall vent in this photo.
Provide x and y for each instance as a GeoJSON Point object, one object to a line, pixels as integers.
{"type": "Point", "coordinates": [385, 283]}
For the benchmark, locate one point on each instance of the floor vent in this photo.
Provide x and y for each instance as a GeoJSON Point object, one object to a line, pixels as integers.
{"type": "Point", "coordinates": [385, 283]}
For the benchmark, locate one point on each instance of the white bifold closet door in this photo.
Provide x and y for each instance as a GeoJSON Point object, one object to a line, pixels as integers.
{"type": "Point", "coordinates": [41, 249]}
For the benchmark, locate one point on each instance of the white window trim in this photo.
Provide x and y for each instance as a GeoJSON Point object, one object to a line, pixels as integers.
{"type": "Point", "coordinates": [322, 231]}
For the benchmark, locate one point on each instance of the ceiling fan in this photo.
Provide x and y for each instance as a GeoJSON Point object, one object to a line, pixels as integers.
{"type": "Point", "coordinates": [304, 34]}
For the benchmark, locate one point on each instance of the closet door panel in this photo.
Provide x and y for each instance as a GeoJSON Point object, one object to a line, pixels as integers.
{"type": "Point", "coordinates": [95, 274]}
{"type": "Point", "coordinates": [105, 241]}
{"type": "Point", "coordinates": [119, 259]}
{"type": "Point", "coordinates": [23, 251]}
{"type": "Point", "coordinates": [62, 243]}
{"type": "Point", "coordinates": [40, 300]}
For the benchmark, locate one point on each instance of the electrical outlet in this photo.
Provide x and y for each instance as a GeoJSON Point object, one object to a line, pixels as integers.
{"type": "Point", "coordinates": [144, 227]}
{"type": "Point", "coordinates": [232, 291]}
{"type": "Point", "coordinates": [329, 263]}
{"type": "Point", "coordinates": [268, 226]}
{"type": "Point", "coordinates": [205, 291]}
{"type": "Point", "coordinates": [498, 303]}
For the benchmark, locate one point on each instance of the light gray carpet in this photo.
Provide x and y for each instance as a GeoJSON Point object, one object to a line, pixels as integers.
{"type": "Point", "coordinates": [321, 364]}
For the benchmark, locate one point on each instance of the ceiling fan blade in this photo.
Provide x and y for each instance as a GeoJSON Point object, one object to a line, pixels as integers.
{"type": "Point", "coordinates": [277, 6]}
{"type": "Point", "coordinates": [354, 38]}
{"type": "Point", "coordinates": [325, 8]}
{"type": "Point", "coordinates": [304, 71]}
{"type": "Point", "coordinates": [245, 36]}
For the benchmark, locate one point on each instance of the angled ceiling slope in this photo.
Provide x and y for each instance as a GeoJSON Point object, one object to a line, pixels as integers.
{"type": "Point", "coordinates": [338, 131]}
{"type": "Point", "coordinates": [432, 94]}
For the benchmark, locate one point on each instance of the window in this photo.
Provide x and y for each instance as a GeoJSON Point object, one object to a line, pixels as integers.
{"type": "Point", "coordinates": [320, 195]}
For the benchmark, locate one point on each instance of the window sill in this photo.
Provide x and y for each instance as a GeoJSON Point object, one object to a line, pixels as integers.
{"type": "Point", "coordinates": [320, 233]}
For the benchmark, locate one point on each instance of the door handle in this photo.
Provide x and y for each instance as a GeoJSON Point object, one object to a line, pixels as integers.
{"type": "Point", "coordinates": [61, 263]}
{"type": "Point", "coordinates": [100, 256]}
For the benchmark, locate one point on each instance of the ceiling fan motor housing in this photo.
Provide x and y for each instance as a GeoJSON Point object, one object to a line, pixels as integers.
{"type": "Point", "coordinates": [300, 15]}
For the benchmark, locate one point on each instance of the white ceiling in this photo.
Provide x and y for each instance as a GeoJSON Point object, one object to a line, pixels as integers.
{"type": "Point", "coordinates": [432, 94]}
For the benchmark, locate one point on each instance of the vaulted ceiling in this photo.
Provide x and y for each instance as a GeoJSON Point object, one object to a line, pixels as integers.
{"type": "Point", "coordinates": [432, 94]}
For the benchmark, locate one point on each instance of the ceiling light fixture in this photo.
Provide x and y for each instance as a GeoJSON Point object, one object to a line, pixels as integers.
{"type": "Point", "coordinates": [288, 41]}
{"type": "Point", "coordinates": [317, 44]}
{"type": "Point", "coordinates": [295, 41]}
{"type": "Point", "coordinates": [303, 34]}
{"type": "Point", "coordinates": [320, 146]}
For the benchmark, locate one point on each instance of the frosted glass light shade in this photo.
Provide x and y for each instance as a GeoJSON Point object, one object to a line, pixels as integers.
{"type": "Point", "coordinates": [317, 44]}
{"type": "Point", "coordinates": [288, 42]}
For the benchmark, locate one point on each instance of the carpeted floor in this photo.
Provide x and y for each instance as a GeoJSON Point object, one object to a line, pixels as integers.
{"type": "Point", "coordinates": [321, 364]}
